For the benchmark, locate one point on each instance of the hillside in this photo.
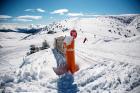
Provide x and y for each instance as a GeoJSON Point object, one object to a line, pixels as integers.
{"type": "Point", "coordinates": [109, 60]}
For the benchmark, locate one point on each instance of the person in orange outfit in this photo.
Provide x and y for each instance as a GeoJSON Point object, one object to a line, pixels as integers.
{"type": "Point", "coordinates": [70, 53]}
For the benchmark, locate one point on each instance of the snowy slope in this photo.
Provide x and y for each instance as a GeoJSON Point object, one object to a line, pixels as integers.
{"type": "Point", "coordinates": [108, 61]}
{"type": "Point", "coordinates": [36, 75]}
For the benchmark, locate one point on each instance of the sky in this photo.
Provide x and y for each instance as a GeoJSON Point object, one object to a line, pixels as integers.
{"type": "Point", "coordinates": [44, 11]}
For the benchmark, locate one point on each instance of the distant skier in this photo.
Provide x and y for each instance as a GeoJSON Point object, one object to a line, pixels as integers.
{"type": "Point", "coordinates": [94, 36]}
{"type": "Point", "coordinates": [85, 40]}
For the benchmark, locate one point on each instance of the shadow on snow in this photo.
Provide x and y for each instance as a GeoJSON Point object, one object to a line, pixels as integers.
{"type": "Point", "coordinates": [65, 84]}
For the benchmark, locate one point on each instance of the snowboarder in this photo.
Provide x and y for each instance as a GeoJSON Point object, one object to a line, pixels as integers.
{"type": "Point", "coordinates": [69, 55]}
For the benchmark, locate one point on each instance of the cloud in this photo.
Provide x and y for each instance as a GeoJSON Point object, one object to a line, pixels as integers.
{"type": "Point", "coordinates": [5, 17]}
{"type": "Point", "coordinates": [82, 14]}
{"type": "Point", "coordinates": [22, 20]}
{"type": "Point", "coordinates": [60, 11]}
{"type": "Point", "coordinates": [29, 17]}
{"type": "Point", "coordinates": [75, 14]}
{"type": "Point", "coordinates": [35, 10]}
{"type": "Point", "coordinates": [40, 10]}
{"type": "Point", "coordinates": [30, 10]}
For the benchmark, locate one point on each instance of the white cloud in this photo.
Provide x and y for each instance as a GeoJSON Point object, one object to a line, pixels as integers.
{"type": "Point", "coordinates": [40, 10]}
{"type": "Point", "coordinates": [82, 14]}
{"type": "Point", "coordinates": [23, 20]}
{"type": "Point", "coordinates": [75, 14]}
{"type": "Point", "coordinates": [35, 10]}
{"type": "Point", "coordinates": [5, 17]}
{"type": "Point", "coordinates": [60, 11]}
{"type": "Point", "coordinates": [30, 10]}
{"type": "Point", "coordinates": [29, 17]}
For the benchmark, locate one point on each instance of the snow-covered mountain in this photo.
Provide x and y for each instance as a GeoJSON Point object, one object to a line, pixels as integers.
{"type": "Point", "coordinates": [29, 29]}
{"type": "Point", "coordinates": [109, 60]}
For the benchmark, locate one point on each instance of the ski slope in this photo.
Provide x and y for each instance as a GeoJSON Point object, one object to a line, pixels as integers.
{"type": "Point", "coordinates": [109, 62]}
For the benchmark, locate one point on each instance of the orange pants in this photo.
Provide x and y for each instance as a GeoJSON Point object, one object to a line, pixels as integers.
{"type": "Point", "coordinates": [70, 58]}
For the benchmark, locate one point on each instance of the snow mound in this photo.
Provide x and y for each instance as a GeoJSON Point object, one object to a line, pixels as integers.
{"type": "Point", "coordinates": [109, 77]}
{"type": "Point", "coordinates": [36, 66]}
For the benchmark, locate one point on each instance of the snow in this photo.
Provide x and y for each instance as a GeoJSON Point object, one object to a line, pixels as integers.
{"type": "Point", "coordinates": [109, 62]}
{"type": "Point", "coordinates": [108, 76]}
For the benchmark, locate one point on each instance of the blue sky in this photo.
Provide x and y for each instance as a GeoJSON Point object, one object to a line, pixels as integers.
{"type": "Point", "coordinates": [44, 11]}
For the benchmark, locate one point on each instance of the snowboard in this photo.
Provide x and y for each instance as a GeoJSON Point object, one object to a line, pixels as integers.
{"type": "Point", "coordinates": [61, 69]}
